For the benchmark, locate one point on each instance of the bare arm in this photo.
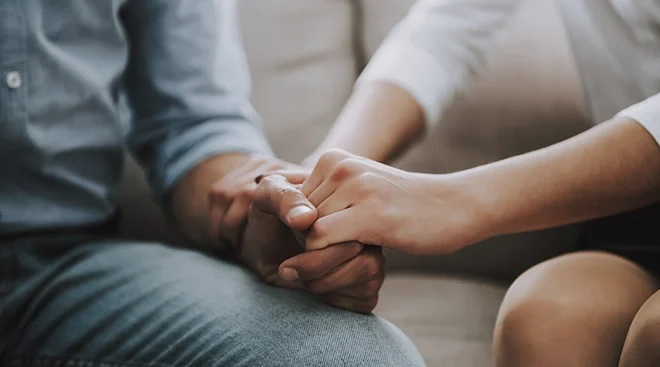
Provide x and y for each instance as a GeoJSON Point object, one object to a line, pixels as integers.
{"type": "Point", "coordinates": [609, 169]}
{"type": "Point", "coordinates": [416, 74]}
{"type": "Point", "coordinates": [379, 121]}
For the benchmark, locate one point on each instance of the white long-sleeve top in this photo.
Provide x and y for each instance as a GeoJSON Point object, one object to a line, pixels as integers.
{"type": "Point", "coordinates": [434, 52]}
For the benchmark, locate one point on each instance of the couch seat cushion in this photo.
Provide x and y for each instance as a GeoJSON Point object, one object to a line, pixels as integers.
{"type": "Point", "coordinates": [449, 319]}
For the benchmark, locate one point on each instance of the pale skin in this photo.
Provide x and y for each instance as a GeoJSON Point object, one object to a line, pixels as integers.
{"type": "Point", "coordinates": [583, 309]}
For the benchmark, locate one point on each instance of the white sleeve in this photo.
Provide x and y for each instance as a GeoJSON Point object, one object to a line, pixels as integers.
{"type": "Point", "coordinates": [433, 53]}
{"type": "Point", "coordinates": [646, 113]}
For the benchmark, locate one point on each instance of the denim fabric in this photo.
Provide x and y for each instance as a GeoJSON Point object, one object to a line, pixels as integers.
{"type": "Point", "coordinates": [114, 303]}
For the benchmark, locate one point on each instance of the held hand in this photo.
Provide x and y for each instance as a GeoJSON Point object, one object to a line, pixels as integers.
{"type": "Point", "coordinates": [347, 275]}
{"type": "Point", "coordinates": [361, 200]}
{"type": "Point", "coordinates": [230, 198]}
{"type": "Point", "coordinates": [278, 212]}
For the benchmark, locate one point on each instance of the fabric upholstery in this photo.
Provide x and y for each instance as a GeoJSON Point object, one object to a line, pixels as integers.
{"type": "Point", "coordinates": [449, 319]}
{"type": "Point", "coordinates": [301, 54]}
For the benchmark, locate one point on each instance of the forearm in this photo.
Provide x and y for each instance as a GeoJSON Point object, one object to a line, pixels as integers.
{"type": "Point", "coordinates": [416, 74]}
{"type": "Point", "coordinates": [609, 169]}
{"type": "Point", "coordinates": [379, 121]}
{"type": "Point", "coordinates": [189, 201]}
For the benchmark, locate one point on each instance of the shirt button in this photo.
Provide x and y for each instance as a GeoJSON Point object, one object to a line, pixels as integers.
{"type": "Point", "coordinates": [14, 79]}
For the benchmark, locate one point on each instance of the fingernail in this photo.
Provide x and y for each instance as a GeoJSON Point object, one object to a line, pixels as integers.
{"type": "Point", "coordinates": [289, 274]}
{"type": "Point", "coordinates": [297, 212]}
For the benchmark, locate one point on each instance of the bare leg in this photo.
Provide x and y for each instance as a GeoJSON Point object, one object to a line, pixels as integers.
{"type": "Point", "coordinates": [642, 347]}
{"type": "Point", "coordinates": [574, 310]}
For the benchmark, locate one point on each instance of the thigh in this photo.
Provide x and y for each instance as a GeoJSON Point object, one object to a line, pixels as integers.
{"type": "Point", "coordinates": [642, 346]}
{"type": "Point", "coordinates": [147, 304]}
{"type": "Point", "coordinates": [573, 310]}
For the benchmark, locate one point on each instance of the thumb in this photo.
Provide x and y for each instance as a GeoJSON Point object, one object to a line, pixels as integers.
{"type": "Point", "coordinates": [277, 196]}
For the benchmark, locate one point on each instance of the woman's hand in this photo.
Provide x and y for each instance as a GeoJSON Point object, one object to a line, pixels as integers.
{"type": "Point", "coordinates": [361, 200]}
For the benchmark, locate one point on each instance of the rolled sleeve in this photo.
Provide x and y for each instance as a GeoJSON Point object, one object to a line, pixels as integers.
{"type": "Point", "coordinates": [181, 153]}
{"type": "Point", "coordinates": [188, 87]}
{"type": "Point", "coordinates": [647, 113]}
{"type": "Point", "coordinates": [433, 53]}
{"type": "Point", "coordinates": [418, 73]}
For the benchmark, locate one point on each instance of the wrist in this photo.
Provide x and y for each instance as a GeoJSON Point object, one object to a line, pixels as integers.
{"type": "Point", "coordinates": [190, 199]}
{"type": "Point", "coordinates": [468, 204]}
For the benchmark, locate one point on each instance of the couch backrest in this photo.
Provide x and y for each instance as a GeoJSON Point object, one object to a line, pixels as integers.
{"type": "Point", "coordinates": [303, 63]}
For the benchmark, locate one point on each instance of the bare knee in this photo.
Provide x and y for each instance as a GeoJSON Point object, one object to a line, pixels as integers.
{"type": "Point", "coordinates": [642, 347]}
{"type": "Point", "coordinates": [572, 310]}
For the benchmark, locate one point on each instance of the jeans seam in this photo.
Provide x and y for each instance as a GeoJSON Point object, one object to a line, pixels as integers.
{"type": "Point", "coordinates": [48, 361]}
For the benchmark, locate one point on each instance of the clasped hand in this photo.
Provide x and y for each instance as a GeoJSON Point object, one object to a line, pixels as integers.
{"type": "Point", "coordinates": [266, 224]}
{"type": "Point", "coordinates": [324, 232]}
{"type": "Point", "coordinates": [358, 199]}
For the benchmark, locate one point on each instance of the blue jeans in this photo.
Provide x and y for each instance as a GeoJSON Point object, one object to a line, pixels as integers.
{"type": "Point", "coordinates": [71, 302]}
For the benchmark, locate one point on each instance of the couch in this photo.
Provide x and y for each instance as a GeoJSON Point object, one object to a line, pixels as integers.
{"type": "Point", "coordinates": [305, 56]}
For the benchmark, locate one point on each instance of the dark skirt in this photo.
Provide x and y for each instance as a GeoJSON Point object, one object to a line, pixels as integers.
{"type": "Point", "coordinates": [634, 235]}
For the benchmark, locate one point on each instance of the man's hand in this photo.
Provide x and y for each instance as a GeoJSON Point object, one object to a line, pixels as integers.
{"type": "Point", "coordinates": [219, 202]}
{"type": "Point", "coordinates": [277, 215]}
{"type": "Point", "coordinates": [342, 279]}
{"type": "Point", "coordinates": [347, 275]}
{"type": "Point", "coordinates": [229, 193]}
{"type": "Point", "coordinates": [210, 203]}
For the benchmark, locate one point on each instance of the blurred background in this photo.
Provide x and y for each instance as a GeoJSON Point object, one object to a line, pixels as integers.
{"type": "Point", "coordinates": [305, 56]}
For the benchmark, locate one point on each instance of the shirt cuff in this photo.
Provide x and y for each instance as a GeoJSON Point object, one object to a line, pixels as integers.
{"type": "Point", "coordinates": [415, 71]}
{"type": "Point", "coordinates": [647, 113]}
{"type": "Point", "coordinates": [184, 150]}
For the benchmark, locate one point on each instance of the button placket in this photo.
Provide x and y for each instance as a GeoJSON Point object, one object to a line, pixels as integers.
{"type": "Point", "coordinates": [13, 73]}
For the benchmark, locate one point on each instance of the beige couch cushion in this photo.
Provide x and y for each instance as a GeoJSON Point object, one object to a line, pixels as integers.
{"type": "Point", "coordinates": [303, 66]}
{"type": "Point", "coordinates": [450, 320]}
{"type": "Point", "coordinates": [377, 19]}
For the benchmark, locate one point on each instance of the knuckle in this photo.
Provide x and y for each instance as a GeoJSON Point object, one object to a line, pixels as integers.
{"type": "Point", "coordinates": [371, 266]}
{"type": "Point", "coordinates": [319, 229]}
{"type": "Point", "coordinates": [346, 168]}
{"type": "Point", "coordinates": [369, 181]}
{"type": "Point", "coordinates": [372, 287]}
{"type": "Point", "coordinates": [333, 155]}
{"type": "Point", "coordinates": [248, 192]}
{"type": "Point", "coordinates": [310, 265]}
{"type": "Point", "coordinates": [267, 180]}
{"type": "Point", "coordinates": [284, 192]}
{"type": "Point", "coordinates": [328, 160]}
{"type": "Point", "coordinates": [220, 190]}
